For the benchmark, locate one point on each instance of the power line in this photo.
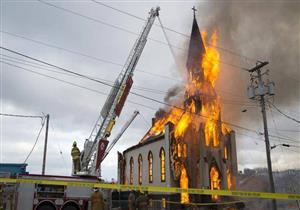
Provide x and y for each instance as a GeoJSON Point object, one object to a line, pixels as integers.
{"type": "Point", "coordinates": [61, 80]}
{"type": "Point", "coordinates": [287, 116]}
{"type": "Point", "coordinates": [292, 150]}
{"type": "Point", "coordinates": [36, 140]}
{"type": "Point", "coordinates": [283, 138]}
{"type": "Point", "coordinates": [129, 101]}
{"type": "Point", "coordinates": [136, 94]}
{"type": "Point", "coordinates": [126, 30]}
{"type": "Point", "coordinates": [73, 84]}
{"type": "Point", "coordinates": [225, 101]}
{"type": "Point", "coordinates": [60, 151]}
{"type": "Point", "coordinates": [118, 10]}
{"type": "Point", "coordinates": [19, 115]}
{"type": "Point", "coordinates": [99, 21]}
{"type": "Point", "coordinates": [275, 126]}
{"type": "Point", "coordinates": [40, 66]}
{"type": "Point", "coordinates": [144, 119]}
{"type": "Point", "coordinates": [104, 83]}
{"type": "Point", "coordinates": [101, 60]}
{"type": "Point", "coordinates": [293, 131]}
{"type": "Point", "coordinates": [170, 29]}
{"type": "Point", "coordinates": [86, 55]}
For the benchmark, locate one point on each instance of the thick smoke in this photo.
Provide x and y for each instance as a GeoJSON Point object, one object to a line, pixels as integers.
{"type": "Point", "coordinates": [266, 30]}
{"type": "Point", "coordinates": [160, 113]}
{"type": "Point", "coordinates": [172, 92]}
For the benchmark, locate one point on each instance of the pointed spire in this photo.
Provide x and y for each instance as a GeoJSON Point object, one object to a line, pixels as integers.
{"type": "Point", "coordinates": [196, 48]}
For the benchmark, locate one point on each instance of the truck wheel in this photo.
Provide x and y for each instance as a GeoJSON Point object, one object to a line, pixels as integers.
{"type": "Point", "coordinates": [46, 206]}
{"type": "Point", "coordinates": [70, 206]}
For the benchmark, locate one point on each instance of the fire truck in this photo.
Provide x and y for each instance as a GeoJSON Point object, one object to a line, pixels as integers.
{"type": "Point", "coordinates": [33, 196]}
{"type": "Point", "coordinates": [55, 197]}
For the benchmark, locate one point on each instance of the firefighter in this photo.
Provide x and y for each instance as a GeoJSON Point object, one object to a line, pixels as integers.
{"type": "Point", "coordinates": [131, 201]}
{"type": "Point", "coordinates": [97, 200]}
{"type": "Point", "coordinates": [75, 153]}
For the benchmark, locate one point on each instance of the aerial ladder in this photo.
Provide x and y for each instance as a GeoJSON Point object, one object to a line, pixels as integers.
{"type": "Point", "coordinates": [95, 146]}
{"type": "Point", "coordinates": [116, 139]}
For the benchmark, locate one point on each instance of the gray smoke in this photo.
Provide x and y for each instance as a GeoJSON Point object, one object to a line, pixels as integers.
{"type": "Point", "coordinates": [265, 30]}
{"type": "Point", "coordinates": [160, 113]}
{"type": "Point", "coordinates": [172, 92]}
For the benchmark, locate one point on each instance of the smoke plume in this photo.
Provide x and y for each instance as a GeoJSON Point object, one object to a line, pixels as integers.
{"type": "Point", "coordinates": [172, 92]}
{"type": "Point", "coordinates": [266, 30]}
{"type": "Point", "coordinates": [160, 113]}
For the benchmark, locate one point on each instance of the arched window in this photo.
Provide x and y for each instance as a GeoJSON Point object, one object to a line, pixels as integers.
{"type": "Point", "coordinates": [163, 203]}
{"type": "Point", "coordinates": [131, 171]}
{"type": "Point", "coordinates": [229, 181]}
{"type": "Point", "coordinates": [162, 156]}
{"type": "Point", "coordinates": [225, 153]}
{"type": "Point", "coordinates": [215, 180]}
{"type": "Point", "coordinates": [140, 169]}
{"type": "Point", "coordinates": [150, 166]}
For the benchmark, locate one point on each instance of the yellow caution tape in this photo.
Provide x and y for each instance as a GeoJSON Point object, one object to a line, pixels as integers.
{"type": "Point", "coordinates": [202, 204]}
{"type": "Point", "coordinates": [247, 194]}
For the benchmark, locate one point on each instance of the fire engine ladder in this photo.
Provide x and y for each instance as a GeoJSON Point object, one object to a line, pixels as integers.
{"type": "Point", "coordinates": [124, 128]}
{"type": "Point", "coordinates": [116, 97]}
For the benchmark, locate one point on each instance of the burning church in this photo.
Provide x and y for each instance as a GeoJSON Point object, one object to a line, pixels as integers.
{"type": "Point", "coordinates": [187, 146]}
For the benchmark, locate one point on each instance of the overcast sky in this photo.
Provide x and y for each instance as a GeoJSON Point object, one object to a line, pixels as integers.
{"type": "Point", "coordinates": [261, 30]}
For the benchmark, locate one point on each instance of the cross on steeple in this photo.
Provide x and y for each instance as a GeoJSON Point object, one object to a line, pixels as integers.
{"type": "Point", "coordinates": [194, 9]}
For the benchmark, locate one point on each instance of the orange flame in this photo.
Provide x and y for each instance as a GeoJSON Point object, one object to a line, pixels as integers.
{"type": "Point", "coordinates": [229, 181]}
{"type": "Point", "coordinates": [200, 102]}
{"type": "Point", "coordinates": [215, 182]}
{"type": "Point", "coordinates": [184, 184]}
{"type": "Point", "coordinates": [210, 61]}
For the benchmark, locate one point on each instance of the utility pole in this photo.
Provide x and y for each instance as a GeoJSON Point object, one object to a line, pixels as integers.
{"type": "Point", "coordinates": [257, 90]}
{"type": "Point", "coordinates": [45, 144]}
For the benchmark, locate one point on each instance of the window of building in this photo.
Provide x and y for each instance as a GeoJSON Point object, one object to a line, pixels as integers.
{"type": "Point", "coordinates": [163, 203]}
{"type": "Point", "coordinates": [215, 180]}
{"type": "Point", "coordinates": [162, 165]}
{"type": "Point", "coordinates": [140, 160]}
{"type": "Point", "coordinates": [150, 169]}
{"type": "Point", "coordinates": [229, 181]}
{"type": "Point", "coordinates": [225, 153]}
{"type": "Point", "coordinates": [131, 171]}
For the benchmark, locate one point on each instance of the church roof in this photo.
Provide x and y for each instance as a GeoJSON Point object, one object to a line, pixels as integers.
{"type": "Point", "coordinates": [150, 140]}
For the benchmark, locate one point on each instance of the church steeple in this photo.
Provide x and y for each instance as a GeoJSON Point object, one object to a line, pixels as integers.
{"type": "Point", "coordinates": [194, 9]}
{"type": "Point", "coordinates": [196, 47]}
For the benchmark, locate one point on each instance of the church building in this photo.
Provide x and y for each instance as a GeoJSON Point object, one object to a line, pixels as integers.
{"type": "Point", "coordinates": [188, 146]}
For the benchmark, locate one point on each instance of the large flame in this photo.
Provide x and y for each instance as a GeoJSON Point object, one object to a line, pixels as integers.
{"type": "Point", "coordinates": [200, 104]}
{"type": "Point", "coordinates": [229, 181]}
{"type": "Point", "coordinates": [203, 88]}
{"type": "Point", "coordinates": [211, 61]}
{"type": "Point", "coordinates": [184, 184]}
{"type": "Point", "coordinates": [215, 182]}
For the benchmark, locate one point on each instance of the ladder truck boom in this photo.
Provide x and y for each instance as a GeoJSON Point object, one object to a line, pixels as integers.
{"type": "Point", "coordinates": [114, 102]}
{"type": "Point", "coordinates": [116, 139]}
